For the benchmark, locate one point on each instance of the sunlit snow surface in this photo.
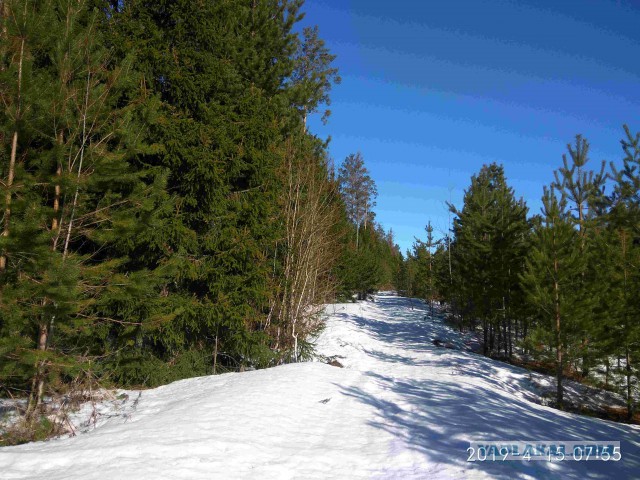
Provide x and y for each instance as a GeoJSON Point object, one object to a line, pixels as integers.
{"type": "Point", "coordinates": [401, 408]}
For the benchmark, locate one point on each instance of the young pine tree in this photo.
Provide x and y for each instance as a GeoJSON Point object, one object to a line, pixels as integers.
{"type": "Point", "coordinates": [81, 202]}
{"type": "Point", "coordinates": [621, 331]}
{"type": "Point", "coordinates": [581, 187]}
{"type": "Point", "coordinates": [552, 280]}
{"type": "Point", "coordinates": [425, 274]}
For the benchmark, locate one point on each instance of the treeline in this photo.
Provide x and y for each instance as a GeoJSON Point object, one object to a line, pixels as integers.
{"type": "Point", "coordinates": [166, 213]}
{"type": "Point", "coordinates": [560, 286]}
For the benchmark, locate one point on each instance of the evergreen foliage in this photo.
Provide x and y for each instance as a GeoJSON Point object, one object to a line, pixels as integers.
{"type": "Point", "coordinates": [487, 255]}
{"type": "Point", "coordinates": [80, 200]}
{"type": "Point", "coordinates": [552, 280]}
{"type": "Point", "coordinates": [561, 286]}
{"type": "Point", "coordinates": [369, 255]}
{"type": "Point", "coordinates": [166, 213]}
{"type": "Point", "coordinates": [358, 191]}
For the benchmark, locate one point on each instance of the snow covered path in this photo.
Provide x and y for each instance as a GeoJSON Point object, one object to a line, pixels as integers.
{"type": "Point", "coordinates": [401, 408]}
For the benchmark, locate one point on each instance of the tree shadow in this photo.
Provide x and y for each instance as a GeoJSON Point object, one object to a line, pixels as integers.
{"type": "Point", "coordinates": [408, 325]}
{"type": "Point", "coordinates": [439, 418]}
{"type": "Point", "coordinates": [474, 399]}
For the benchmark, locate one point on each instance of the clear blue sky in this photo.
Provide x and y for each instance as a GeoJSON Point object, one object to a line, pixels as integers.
{"type": "Point", "coordinates": [431, 90]}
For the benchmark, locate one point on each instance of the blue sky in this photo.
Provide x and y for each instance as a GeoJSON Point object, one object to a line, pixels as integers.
{"type": "Point", "coordinates": [432, 90]}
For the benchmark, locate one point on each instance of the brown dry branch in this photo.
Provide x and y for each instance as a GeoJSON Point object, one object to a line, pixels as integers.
{"type": "Point", "coordinates": [309, 251]}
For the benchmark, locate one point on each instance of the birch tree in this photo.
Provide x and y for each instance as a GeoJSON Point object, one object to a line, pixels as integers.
{"type": "Point", "coordinates": [310, 213]}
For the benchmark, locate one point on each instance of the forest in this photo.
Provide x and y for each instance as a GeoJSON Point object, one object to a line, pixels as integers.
{"type": "Point", "coordinates": [558, 286]}
{"type": "Point", "coordinates": [168, 214]}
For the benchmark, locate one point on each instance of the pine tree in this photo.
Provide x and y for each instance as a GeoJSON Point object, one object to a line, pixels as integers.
{"type": "Point", "coordinates": [401, 278]}
{"type": "Point", "coordinates": [552, 282]}
{"type": "Point", "coordinates": [362, 267]}
{"type": "Point", "coordinates": [81, 198]}
{"type": "Point", "coordinates": [19, 23]}
{"type": "Point", "coordinates": [313, 75]}
{"type": "Point", "coordinates": [621, 248]}
{"type": "Point", "coordinates": [509, 246]}
{"type": "Point", "coordinates": [581, 188]}
{"type": "Point", "coordinates": [473, 250]}
{"type": "Point", "coordinates": [358, 191]}
{"type": "Point", "coordinates": [578, 185]}
{"type": "Point", "coordinates": [430, 244]}
{"type": "Point", "coordinates": [424, 282]}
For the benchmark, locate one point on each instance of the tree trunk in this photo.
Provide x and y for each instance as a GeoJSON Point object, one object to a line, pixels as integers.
{"type": "Point", "coordinates": [485, 343]}
{"type": "Point", "coordinates": [12, 158]}
{"type": "Point", "coordinates": [492, 337]}
{"type": "Point", "coordinates": [629, 391]}
{"type": "Point", "coordinates": [559, 346]}
{"type": "Point", "coordinates": [510, 339]}
{"type": "Point", "coordinates": [215, 355]}
{"type": "Point", "coordinates": [56, 224]}
{"type": "Point", "coordinates": [45, 330]}
{"type": "Point", "coordinates": [559, 396]}
{"type": "Point", "coordinates": [37, 384]}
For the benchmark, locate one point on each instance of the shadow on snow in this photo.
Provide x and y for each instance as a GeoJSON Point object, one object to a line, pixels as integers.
{"type": "Point", "coordinates": [441, 417]}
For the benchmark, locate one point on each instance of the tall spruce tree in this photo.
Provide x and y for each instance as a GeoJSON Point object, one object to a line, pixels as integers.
{"type": "Point", "coordinates": [487, 254]}
{"type": "Point", "coordinates": [235, 84]}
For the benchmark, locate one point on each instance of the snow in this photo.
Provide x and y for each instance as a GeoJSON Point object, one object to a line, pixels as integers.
{"type": "Point", "coordinates": [401, 408]}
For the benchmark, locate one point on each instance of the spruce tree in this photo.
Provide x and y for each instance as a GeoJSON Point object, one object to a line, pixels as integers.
{"type": "Point", "coordinates": [234, 81]}
{"type": "Point", "coordinates": [487, 254]}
